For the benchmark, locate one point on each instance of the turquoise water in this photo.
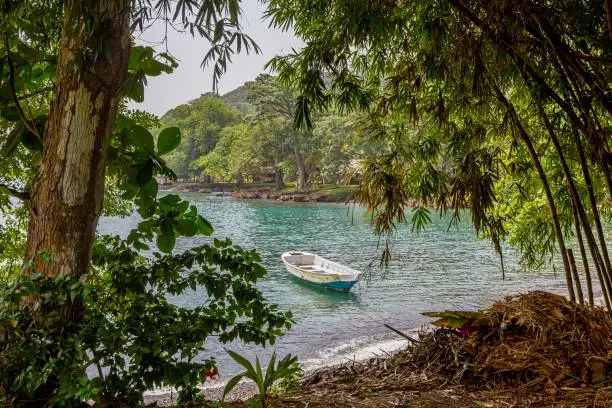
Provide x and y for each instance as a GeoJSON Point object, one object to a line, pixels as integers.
{"type": "Point", "coordinates": [437, 269]}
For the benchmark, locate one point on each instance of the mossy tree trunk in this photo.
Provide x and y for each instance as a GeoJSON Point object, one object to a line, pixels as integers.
{"type": "Point", "coordinates": [68, 189]}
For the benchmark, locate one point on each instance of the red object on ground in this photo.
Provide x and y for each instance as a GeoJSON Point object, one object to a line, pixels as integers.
{"type": "Point", "coordinates": [212, 373]}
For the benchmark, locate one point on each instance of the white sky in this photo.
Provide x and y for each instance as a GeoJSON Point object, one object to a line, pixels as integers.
{"type": "Point", "coordinates": [189, 81]}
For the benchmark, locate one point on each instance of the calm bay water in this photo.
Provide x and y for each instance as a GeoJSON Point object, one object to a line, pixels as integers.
{"type": "Point", "coordinates": [437, 269]}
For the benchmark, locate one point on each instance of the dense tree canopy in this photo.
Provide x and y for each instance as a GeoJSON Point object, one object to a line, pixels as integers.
{"type": "Point", "coordinates": [500, 106]}
{"type": "Point", "coordinates": [262, 143]}
{"type": "Point", "coordinates": [201, 123]}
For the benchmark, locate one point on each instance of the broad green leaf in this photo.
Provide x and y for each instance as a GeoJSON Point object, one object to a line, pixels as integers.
{"type": "Point", "coordinates": [204, 226]}
{"type": "Point", "coordinates": [133, 86]}
{"type": "Point", "coordinates": [166, 243]}
{"type": "Point", "coordinates": [142, 138]}
{"type": "Point", "coordinates": [457, 314]}
{"type": "Point", "coordinates": [182, 207]}
{"type": "Point", "coordinates": [166, 227]}
{"type": "Point", "coordinates": [169, 139]}
{"type": "Point", "coordinates": [450, 322]}
{"type": "Point", "coordinates": [245, 363]}
{"type": "Point", "coordinates": [269, 372]}
{"type": "Point", "coordinates": [129, 191]}
{"type": "Point", "coordinates": [260, 378]}
{"type": "Point", "coordinates": [150, 188]}
{"type": "Point", "coordinates": [145, 174]}
{"type": "Point", "coordinates": [169, 200]}
{"type": "Point", "coordinates": [186, 228]}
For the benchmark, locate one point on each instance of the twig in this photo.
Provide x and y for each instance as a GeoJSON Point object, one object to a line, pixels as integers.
{"type": "Point", "coordinates": [29, 125]}
{"type": "Point", "coordinates": [22, 195]}
{"type": "Point", "coordinates": [30, 95]}
{"type": "Point", "coordinates": [401, 334]}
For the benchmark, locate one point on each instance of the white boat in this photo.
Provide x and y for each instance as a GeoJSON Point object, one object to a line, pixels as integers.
{"type": "Point", "coordinates": [319, 271]}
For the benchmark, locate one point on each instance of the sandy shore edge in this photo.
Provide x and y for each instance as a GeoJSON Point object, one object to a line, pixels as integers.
{"type": "Point", "coordinates": [213, 389]}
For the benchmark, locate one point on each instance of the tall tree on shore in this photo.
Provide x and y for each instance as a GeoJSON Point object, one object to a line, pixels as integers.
{"type": "Point", "coordinates": [90, 54]}
{"type": "Point", "coordinates": [273, 101]}
{"type": "Point", "coordinates": [465, 91]}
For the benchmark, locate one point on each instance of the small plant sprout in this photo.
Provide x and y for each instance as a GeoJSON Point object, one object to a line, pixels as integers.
{"type": "Point", "coordinates": [287, 367]}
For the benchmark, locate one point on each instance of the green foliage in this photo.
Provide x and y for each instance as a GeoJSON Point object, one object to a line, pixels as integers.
{"type": "Point", "coordinates": [455, 91]}
{"type": "Point", "coordinates": [286, 369]}
{"type": "Point", "coordinates": [34, 348]}
{"type": "Point", "coordinates": [266, 143]}
{"type": "Point", "coordinates": [115, 318]}
{"type": "Point", "coordinates": [130, 332]}
{"type": "Point", "coordinates": [291, 381]}
{"type": "Point", "coordinates": [201, 123]}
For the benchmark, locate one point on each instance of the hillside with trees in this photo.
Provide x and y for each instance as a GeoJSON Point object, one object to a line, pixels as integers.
{"type": "Point", "coordinates": [247, 135]}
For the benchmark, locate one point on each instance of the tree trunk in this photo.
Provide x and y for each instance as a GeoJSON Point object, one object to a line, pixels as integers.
{"type": "Point", "coordinates": [570, 256]}
{"type": "Point", "coordinates": [239, 180]}
{"type": "Point", "coordinates": [278, 178]}
{"type": "Point", "coordinates": [302, 176]}
{"type": "Point", "coordinates": [68, 189]}
{"type": "Point", "coordinates": [583, 256]}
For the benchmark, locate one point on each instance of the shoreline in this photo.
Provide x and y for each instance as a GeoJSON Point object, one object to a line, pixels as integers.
{"type": "Point", "coordinates": [354, 350]}
{"type": "Point", "coordinates": [321, 194]}
{"type": "Point", "coordinates": [357, 350]}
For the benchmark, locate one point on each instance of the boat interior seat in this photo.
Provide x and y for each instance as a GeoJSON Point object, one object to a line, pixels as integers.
{"type": "Point", "coordinates": [312, 268]}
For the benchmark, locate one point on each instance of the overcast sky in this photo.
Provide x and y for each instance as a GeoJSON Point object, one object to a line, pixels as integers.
{"type": "Point", "coordinates": [189, 81]}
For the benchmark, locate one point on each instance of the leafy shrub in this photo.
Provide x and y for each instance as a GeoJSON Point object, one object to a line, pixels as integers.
{"type": "Point", "coordinates": [130, 334]}
{"type": "Point", "coordinates": [291, 381]}
{"type": "Point", "coordinates": [285, 369]}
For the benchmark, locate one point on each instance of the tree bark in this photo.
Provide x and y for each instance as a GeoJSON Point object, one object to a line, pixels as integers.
{"type": "Point", "coordinates": [67, 192]}
{"type": "Point", "coordinates": [609, 17]}
{"type": "Point", "coordinates": [583, 256]}
{"type": "Point", "coordinates": [570, 256]}
{"type": "Point", "coordinates": [302, 176]}
{"type": "Point", "coordinates": [278, 178]}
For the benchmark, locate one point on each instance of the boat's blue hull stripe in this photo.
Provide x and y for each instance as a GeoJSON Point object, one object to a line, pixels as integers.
{"type": "Point", "coordinates": [338, 285]}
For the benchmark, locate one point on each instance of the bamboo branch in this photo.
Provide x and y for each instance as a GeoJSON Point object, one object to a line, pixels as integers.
{"type": "Point", "coordinates": [570, 256]}
{"type": "Point", "coordinates": [407, 337]}
{"type": "Point", "coordinates": [589, 57]}
{"type": "Point", "coordinates": [576, 197]}
{"type": "Point", "coordinates": [544, 180]}
{"type": "Point", "coordinates": [585, 262]}
{"type": "Point", "coordinates": [561, 49]}
{"type": "Point", "coordinates": [525, 68]}
{"type": "Point", "coordinates": [592, 199]}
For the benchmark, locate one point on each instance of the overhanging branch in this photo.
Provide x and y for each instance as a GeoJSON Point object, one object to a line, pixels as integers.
{"type": "Point", "coordinates": [21, 195]}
